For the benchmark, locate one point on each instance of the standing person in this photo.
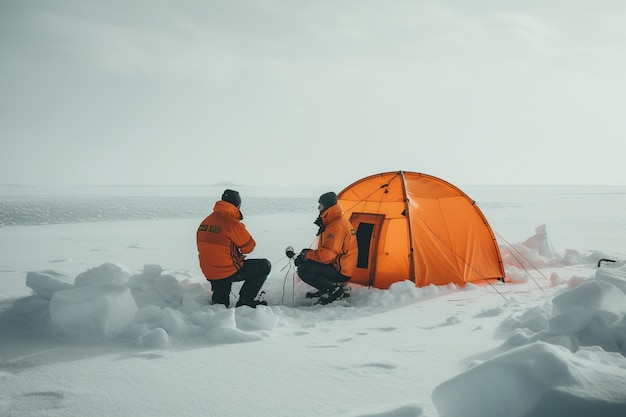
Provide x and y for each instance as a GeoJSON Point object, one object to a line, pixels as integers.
{"type": "Point", "coordinates": [334, 260]}
{"type": "Point", "coordinates": [223, 241]}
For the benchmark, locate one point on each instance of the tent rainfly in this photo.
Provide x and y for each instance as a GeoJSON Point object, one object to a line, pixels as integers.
{"type": "Point", "coordinates": [418, 227]}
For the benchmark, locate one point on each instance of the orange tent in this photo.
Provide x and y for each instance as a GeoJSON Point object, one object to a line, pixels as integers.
{"type": "Point", "coordinates": [418, 227]}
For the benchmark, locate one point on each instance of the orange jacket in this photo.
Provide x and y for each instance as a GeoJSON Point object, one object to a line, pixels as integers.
{"type": "Point", "coordinates": [222, 241]}
{"type": "Point", "coordinates": [337, 243]}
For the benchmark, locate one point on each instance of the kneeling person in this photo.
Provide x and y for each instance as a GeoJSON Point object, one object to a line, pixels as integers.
{"type": "Point", "coordinates": [333, 262]}
{"type": "Point", "coordinates": [222, 241]}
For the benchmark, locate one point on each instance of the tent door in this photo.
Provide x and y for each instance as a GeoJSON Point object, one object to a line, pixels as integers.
{"type": "Point", "coordinates": [367, 226]}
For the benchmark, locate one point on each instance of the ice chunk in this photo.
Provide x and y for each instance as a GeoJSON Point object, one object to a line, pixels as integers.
{"type": "Point", "coordinates": [103, 274]}
{"type": "Point", "coordinates": [95, 310]}
{"type": "Point", "coordinates": [46, 283]}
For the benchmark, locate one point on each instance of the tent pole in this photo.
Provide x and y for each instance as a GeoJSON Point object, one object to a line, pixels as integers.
{"type": "Point", "coordinates": [408, 221]}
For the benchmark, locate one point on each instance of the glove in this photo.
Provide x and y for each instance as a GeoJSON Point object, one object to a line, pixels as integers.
{"type": "Point", "coordinates": [301, 258]}
{"type": "Point", "coordinates": [319, 223]}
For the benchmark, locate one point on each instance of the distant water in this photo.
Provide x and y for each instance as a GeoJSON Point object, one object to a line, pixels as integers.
{"type": "Point", "coordinates": [38, 206]}
{"type": "Point", "coordinates": [576, 217]}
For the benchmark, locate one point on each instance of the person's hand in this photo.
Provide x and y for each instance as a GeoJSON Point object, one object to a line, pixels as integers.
{"type": "Point", "coordinates": [318, 222]}
{"type": "Point", "coordinates": [301, 258]}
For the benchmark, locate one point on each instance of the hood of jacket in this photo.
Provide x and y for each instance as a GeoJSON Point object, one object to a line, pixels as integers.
{"type": "Point", "coordinates": [227, 209]}
{"type": "Point", "coordinates": [331, 213]}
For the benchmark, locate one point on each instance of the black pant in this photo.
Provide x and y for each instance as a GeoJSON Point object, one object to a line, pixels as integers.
{"type": "Point", "coordinates": [253, 273]}
{"type": "Point", "coordinates": [320, 276]}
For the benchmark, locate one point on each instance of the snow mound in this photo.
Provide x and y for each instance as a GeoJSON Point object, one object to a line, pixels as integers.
{"type": "Point", "coordinates": [591, 313]}
{"type": "Point", "coordinates": [149, 309]}
{"type": "Point", "coordinates": [539, 379]}
{"type": "Point", "coordinates": [564, 358]}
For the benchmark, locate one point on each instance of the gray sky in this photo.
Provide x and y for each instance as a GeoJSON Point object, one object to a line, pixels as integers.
{"type": "Point", "coordinates": [312, 92]}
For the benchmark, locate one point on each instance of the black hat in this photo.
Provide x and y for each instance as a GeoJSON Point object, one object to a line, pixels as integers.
{"type": "Point", "coordinates": [327, 200]}
{"type": "Point", "coordinates": [232, 197]}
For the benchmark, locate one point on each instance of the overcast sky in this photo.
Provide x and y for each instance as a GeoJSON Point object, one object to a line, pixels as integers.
{"type": "Point", "coordinates": [305, 92]}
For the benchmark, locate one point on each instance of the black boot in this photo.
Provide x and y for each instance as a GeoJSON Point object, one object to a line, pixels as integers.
{"type": "Point", "coordinates": [314, 294]}
{"type": "Point", "coordinates": [251, 304]}
{"type": "Point", "coordinates": [334, 293]}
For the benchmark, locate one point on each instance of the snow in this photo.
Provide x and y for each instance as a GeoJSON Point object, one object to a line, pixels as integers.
{"type": "Point", "coordinates": [121, 325]}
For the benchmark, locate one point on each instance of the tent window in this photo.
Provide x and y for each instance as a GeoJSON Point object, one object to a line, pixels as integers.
{"type": "Point", "coordinates": [364, 239]}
